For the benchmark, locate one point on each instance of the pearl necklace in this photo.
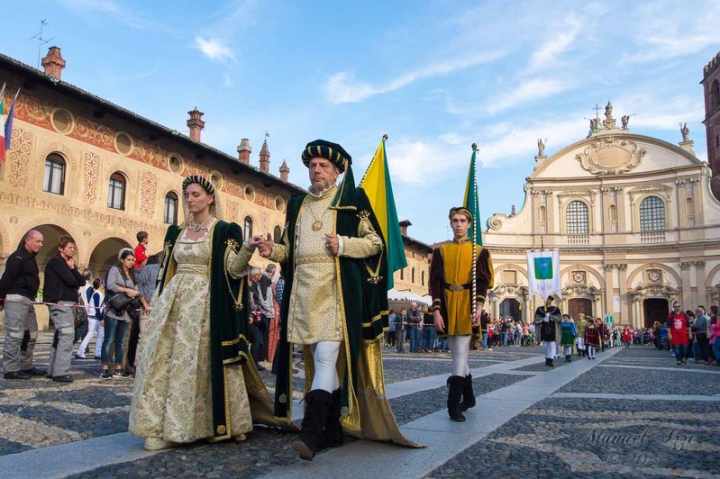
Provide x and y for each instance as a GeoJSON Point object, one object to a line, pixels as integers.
{"type": "Point", "coordinates": [199, 227]}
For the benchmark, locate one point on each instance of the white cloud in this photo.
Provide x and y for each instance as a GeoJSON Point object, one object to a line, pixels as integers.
{"type": "Point", "coordinates": [341, 87]}
{"type": "Point", "coordinates": [564, 37]}
{"type": "Point", "coordinates": [526, 92]}
{"type": "Point", "coordinates": [115, 10]}
{"type": "Point", "coordinates": [426, 161]}
{"type": "Point", "coordinates": [214, 49]}
{"type": "Point", "coordinates": [657, 112]}
{"type": "Point", "coordinates": [666, 31]}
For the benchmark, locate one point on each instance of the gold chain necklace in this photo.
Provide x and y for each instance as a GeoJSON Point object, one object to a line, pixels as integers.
{"type": "Point", "coordinates": [317, 224]}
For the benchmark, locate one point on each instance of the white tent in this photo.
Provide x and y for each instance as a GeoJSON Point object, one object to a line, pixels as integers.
{"type": "Point", "coordinates": [409, 296]}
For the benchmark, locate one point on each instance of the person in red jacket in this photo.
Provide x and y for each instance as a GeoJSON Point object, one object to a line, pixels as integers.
{"type": "Point", "coordinates": [592, 338]}
{"type": "Point", "coordinates": [679, 332]}
{"type": "Point", "coordinates": [627, 336]}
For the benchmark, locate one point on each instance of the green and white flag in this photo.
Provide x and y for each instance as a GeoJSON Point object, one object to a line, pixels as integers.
{"type": "Point", "coordinates": [544, 273]}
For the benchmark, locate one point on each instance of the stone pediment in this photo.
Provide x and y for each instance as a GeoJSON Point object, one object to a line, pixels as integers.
{"type": "Point", "coordinates": [610, 155]}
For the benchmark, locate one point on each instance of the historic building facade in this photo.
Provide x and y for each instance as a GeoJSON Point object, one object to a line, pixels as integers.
{"type": "Point", "coordinates": [414, 277]}
{"type": "Point", "coordinates": [711, 87]}
{"type": "Point", "coordinates": [84, 167]}
{"type": "Point", "coordinates": [633, 217]}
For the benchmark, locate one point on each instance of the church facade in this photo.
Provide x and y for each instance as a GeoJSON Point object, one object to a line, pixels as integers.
{"type": "Point", "coordinates": [633, 218]}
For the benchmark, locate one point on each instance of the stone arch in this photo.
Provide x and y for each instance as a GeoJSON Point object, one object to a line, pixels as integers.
{"type": "Point", "coordinates": [502, 266]}
{"type": "Point", "coordinates": [646, 266]}
{"type": "Point", "coordinates": [711, 275]}
{"type": "Point", "coordinates": [104, 254]}
{"type": "Point", "coordinates": [583, 267]}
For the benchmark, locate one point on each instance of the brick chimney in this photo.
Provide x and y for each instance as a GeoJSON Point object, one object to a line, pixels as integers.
{"type": "Point", "coordinates": [404, 227]}
{"type": "Point", "coordinates": [196, 124]}
{"type": "Point", "coordinates": [265, 157]}
{"type": "Point", "coordinates": [244, 151]}
{"type": "Point", "coordinates": [284, 171]}
{"type": "Point", "coordinates": [54, 63]}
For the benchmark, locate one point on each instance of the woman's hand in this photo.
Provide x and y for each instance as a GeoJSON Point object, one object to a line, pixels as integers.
{"type": "Point", "coordinates": [133, 293]}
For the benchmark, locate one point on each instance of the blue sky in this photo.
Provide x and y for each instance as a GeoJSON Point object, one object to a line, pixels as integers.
{"type": "Point", "coordinates": [436, 76]}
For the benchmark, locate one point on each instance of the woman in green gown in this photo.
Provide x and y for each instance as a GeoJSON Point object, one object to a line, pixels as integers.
{"type": "Point", "coordinates": [195, 379]}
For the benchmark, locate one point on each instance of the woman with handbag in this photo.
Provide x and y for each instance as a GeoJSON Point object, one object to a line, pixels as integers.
{"type": "Point", "coordinates": [121, 295]}
{"type": "Point", "coordinates": [195, 376]}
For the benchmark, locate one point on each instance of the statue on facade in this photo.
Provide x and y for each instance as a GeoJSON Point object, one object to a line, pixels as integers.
{"type": "Point", "coordinates": [625, 119]}
{"type": "Point", "coordinates": [541, 148]}
{"type": "Point", "coordinates": [609, 121]}
{"type": "Point", "coordinates": [685, 131]}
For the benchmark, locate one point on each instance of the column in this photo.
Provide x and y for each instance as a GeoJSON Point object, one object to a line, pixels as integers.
{"type": "Point", "coordinates": [699, 287]}
{"type": "Point", "coordinates": [624, 306]}
{"type": "Point", "coordinates": [687, 301]}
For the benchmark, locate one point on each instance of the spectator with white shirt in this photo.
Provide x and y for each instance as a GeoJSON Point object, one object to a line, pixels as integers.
{"type": "Point", "coordinates": [92, 298]}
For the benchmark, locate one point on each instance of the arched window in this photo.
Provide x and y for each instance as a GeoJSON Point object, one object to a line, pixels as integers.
{"type": "Point", "coordinates": [277, 234]}
{"type": "Point", "coordinates": [422, 278]}
{"type": "Point", "coordinates": [54, 180]}
{"type": "Point", "coordinates": [652, 219]}
{"type": "Point", "coordinates": [412, 273]}
{"type": "Point", "coordinates": [248, 228]}
{"type": "Point", "coordinates": [116, 191]}
{"type": "Point", "coordinates": [171, 208]}
{"type": "Point", "coordinates": [715, 93]}
{"type": "Point", "coordinates": [402, 274]}
{"type": "Point", "coordinates": [577, 218]}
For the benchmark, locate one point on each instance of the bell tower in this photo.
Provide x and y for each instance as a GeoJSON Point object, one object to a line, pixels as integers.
{"type": "Point", "coordinates": [711, 86]}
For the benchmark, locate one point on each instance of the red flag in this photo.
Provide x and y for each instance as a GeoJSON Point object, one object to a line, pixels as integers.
{"type": "Point", "coordinates": [2, 149]}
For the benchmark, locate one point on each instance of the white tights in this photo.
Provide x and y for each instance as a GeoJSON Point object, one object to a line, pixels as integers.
{"type": "Point", "coordinates": [325, 354]}
{"type": "Point", "coordinates": [460, 349]}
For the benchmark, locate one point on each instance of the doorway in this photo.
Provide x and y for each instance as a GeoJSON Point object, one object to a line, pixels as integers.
{"type": "Point", "coordinates": [510, 307]}
{"type": "Point", "coordinates": [655, 309]}
{"type": "Point", "coordinates": [580, 308]}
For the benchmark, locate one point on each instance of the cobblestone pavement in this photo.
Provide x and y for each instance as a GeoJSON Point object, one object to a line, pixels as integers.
{"type": "Point", "coordinates": [575, 434]}
{"type": "Point", "coordinates": [599, 438]}
{"type": "Point", "coordinates": [40, 413]}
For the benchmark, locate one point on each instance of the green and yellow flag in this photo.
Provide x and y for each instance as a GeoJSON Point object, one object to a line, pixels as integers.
{"type": "Point", "coordinates": [471, 201]}
{"type": "Point", "coordinates": [378, 188]}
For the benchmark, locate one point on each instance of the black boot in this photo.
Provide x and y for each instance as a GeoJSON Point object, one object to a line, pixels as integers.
{"type": "Point", "coordinates": [333, 428]}
{"type": "Point", "coordinates": [317, 405]}
{"type": "Point", "coordinates": [455, 389]}
{"type": "Point", "coordinates": [547, 362]}
{"type": "Point", "coordinates": [568, 358]}
{"type": "Point", "coordinates": [468, 395]}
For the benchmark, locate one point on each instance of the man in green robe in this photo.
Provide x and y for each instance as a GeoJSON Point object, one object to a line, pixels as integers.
{"type": "Point", "coordinates": [335, 307]}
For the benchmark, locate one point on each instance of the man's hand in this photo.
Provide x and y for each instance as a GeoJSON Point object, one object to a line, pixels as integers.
{"type": "Point", "coordinates": [439, 321]}
{"type": "Point", "coordinates": [70, 262]}
{"type": "Point", "coordinates": [263, 245]}
{"type": "Point", "coordinates": [476, 317]}
{"type": "Point", "coordinates": [332, 243]}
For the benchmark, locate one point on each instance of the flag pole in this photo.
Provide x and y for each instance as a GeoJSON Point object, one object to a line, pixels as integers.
{"type": "Point", "coordinates": [474, 243]}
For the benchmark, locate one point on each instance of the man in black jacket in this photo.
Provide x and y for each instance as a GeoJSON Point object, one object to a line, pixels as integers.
{"type": "Point", "coordinates": [547, 318]}
{"type": "Point", "coordinates": [18, 288]}
{"type": "Point", "coordinates": [62, 280]}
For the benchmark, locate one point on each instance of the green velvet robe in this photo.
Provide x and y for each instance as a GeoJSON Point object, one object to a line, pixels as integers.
{"type": "Point", "coordinates": [229, 346]}
{"type": "Point", "coordinates": [366, 411]}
